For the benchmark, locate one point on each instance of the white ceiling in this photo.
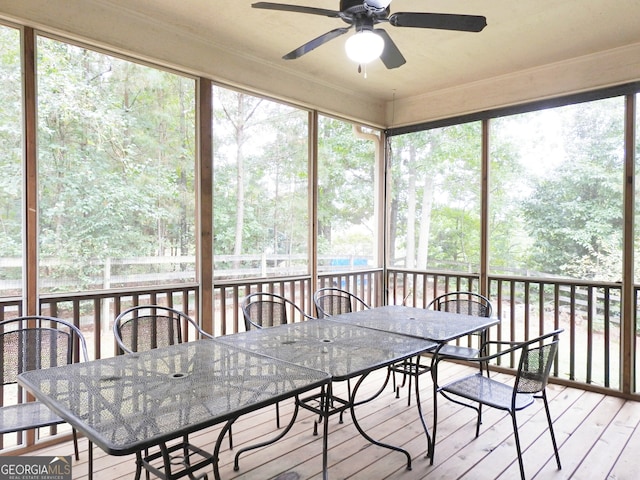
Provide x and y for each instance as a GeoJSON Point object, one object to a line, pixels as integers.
{"type": "Point", "coordinates": [522, 38]}
{"type": "Point", "coordinates": [520, 34]}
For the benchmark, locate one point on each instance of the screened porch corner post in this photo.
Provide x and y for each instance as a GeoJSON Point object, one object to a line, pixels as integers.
{"type": "Point", "coordinates": [628, 340]}
{"type": "Point", "coordinates": [31, 175]}
{"type": "Point", "coordinates": [204, 206]}
{"type": "Point", "coordinates": [313, 201]}
{"type": "Point", "coordinates": [485, 171]}
{"type": "Point", "coordinates": [31, 186]}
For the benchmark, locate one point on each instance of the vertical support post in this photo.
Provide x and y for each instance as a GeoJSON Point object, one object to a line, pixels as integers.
{"type": "Point", "coordinates": [313, 205]}
{"type": "Point", "coordinates": [30, 173]}
{"type": "Point", "coordinates": [379, 142]}
{"type": "Point", "coordinates": [627, 322]}
{"type": "Point", "coordinates": [484, 211]}
{"type": "Point", "coordinates": [30, 288]}
{"type": "Point", "coordinates": [204, 199]}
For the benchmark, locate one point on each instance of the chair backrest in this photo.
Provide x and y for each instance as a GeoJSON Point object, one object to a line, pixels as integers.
{"type": "Point", "coordinates": [467, 303]}
{"type": "Point", "coordinates": [262, 309]}
{"type": "Point", "coordinates": [334, 301]}
{"type": "Point", "coordinates": [146, 327]}
{"type": "Point", "coordinates": [536, 359]}
{"type": "Point", "coordinates": [38, 342]}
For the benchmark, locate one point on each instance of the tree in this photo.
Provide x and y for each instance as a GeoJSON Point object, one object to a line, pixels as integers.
{"type": "Point", "coordinates": [260, 178]}
{"type": "Point", "coordinates": [346, 183]}
{"type": "Point", "coordinates": [10, 149]}
{"type": "Point", "coordinates": [575, 212]}
{"type": "Point", "coordinates": [436, 193]}
{"type": "Point", "coordinates": [116, 161]}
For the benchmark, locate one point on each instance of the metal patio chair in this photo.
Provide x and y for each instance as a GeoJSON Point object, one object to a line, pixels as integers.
{"type": "Point", "coordinates": [331, 301]}
{"type": "Point", "coordinates": [263, 310]}
{"type": "Point", "coordinates": [536, 358]}
{"type": "Point", "coordinates": [36, 342]}
{"type": "Point", "coordinates": [146, 327]}
{"type": "Point", "coordinates": [467, 303]}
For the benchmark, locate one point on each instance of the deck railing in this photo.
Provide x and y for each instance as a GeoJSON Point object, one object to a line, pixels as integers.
{"type": "Point", "coordinates": [589, 312]}
{"type": "Point", "coordinates": [589, 352]}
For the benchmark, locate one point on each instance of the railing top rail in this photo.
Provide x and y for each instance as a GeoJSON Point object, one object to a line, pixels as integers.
{"type": "Point", "coordinates": [515, 278]}
{"type": "Point", "coordinates": [240, 282]}
{"type": "Point", "coordinates": [450, 273]}
{"type": "Point", "coordinates": [556, 281]}
{"type": "Point", "coordinates": [118, 292]}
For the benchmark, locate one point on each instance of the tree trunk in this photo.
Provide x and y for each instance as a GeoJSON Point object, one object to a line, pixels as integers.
{"type": "Point", "coordinates": [425, 222]}
{"type": "Point", "coordinates": [410, 261]}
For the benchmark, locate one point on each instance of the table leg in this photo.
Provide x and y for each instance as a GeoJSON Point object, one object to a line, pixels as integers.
{"type": "Point", "coordinates": [419, 403]}
{"type": "Point", "coordinates": [359, 428]}
{"type": "Point", "coordinates": [236, 464]}
{"type": "Point", "coordinates": [325, 436]}
{"type": "Point", "coordinates": [216, 449]}
{"type": "Point", "coordinates": [434, 377]}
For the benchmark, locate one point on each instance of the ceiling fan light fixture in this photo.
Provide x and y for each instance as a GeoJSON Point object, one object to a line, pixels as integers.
{"type": "Point", "coordinates": [378, 4]}
{"type": "Point", "coordinates": [364, 46]}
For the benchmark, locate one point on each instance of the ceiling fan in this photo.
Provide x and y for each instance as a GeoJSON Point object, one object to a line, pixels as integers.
{"type": "Point", "coordinates": [369, 43]}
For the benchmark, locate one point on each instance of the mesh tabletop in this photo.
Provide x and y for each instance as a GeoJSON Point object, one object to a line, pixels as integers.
{"type": "Point", "coordinates": [133, 401]}
{"type": "Point", "coordinates": [340, 349]}
{"type": "Point", "coordinates": [417, 322]}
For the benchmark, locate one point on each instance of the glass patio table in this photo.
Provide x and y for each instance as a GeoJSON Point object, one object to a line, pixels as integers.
{"type": "Point", "coordinates": [129, 403]}
{"type": "Point", "coordinates": [437, 326]}
{"type": "Point", "coordinates": [341, 350]}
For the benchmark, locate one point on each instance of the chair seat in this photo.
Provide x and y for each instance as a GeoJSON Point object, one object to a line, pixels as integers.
{"type": "Point", "coordinates": [25, 416]}
{"type": "Point", "coordinates": [456, 351]}
{"type": "Point", "coordinates": [488, 391]}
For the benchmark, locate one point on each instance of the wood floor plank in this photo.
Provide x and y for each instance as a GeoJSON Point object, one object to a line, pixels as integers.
{"type": "Point", "coordinates": [585, 432]}
{"type": "Point", "coordinates": [612, 441]}
{"type": "Point", "coordinates": [628, 462]}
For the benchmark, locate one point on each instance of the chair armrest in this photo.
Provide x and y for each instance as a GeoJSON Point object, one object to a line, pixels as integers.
{"type": "Point", "coordinates": [513, 346]}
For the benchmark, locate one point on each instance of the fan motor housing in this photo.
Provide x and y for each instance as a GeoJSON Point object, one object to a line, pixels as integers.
{"type": "Point", "coordinates": [358, 7]}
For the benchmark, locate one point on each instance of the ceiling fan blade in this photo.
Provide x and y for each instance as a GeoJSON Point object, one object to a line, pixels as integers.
{"type": "Point", "coordinates": [297, 8]}
{"type": "Point", "coordinates": [443, 21]}
{"type": "Point", "coordinates": [391, 56]}
{"type": "Point", "coordinates": [315, 43]}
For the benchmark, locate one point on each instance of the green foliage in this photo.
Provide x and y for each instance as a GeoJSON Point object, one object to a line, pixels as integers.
{"type": "Point", "coordinates": [260, 176]}
{"type": "Point", "coordinates": [436, 197]}
{"type": "Point", "coordinates": [116, 161]}
{"type": "Point", "coordinates": [346, 182]}
{"type": "Point", "coordinates": [10, 147]}
{"type": "Point", "coordinates": [575, 212]}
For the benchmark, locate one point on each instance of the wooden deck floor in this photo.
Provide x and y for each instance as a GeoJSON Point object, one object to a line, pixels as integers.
{"type": "Point", "coordinates": [599, 438]}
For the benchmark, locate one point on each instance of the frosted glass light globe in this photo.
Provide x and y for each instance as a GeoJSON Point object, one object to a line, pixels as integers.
{"type": "Point", "coordinates": [381, 4]}
{"type": "Point", "coordinates": [364, 46]}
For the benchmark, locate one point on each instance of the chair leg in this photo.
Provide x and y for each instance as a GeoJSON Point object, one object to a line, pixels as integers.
{"type": "Point", "coordinates": [147, 473]}
{"type": "Point", "coordinates": [553, 437]}
{"type": "Point", "coordinates": [404, 380]}
{"type": "Point", "coordinates": [75, 444]}
{"type": "Point", "coordinates": [434, 376]}
{"type": "Point", "coordinates": [479, 421]}
{"type": "Point", "coordinates": [517, 438]}
{"type": "Point", "coordinates": [90, 460]}
{"type": "Point", "coordinates": [278, 415]}
{"type": "Point", "coordinates": [138, 465]}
